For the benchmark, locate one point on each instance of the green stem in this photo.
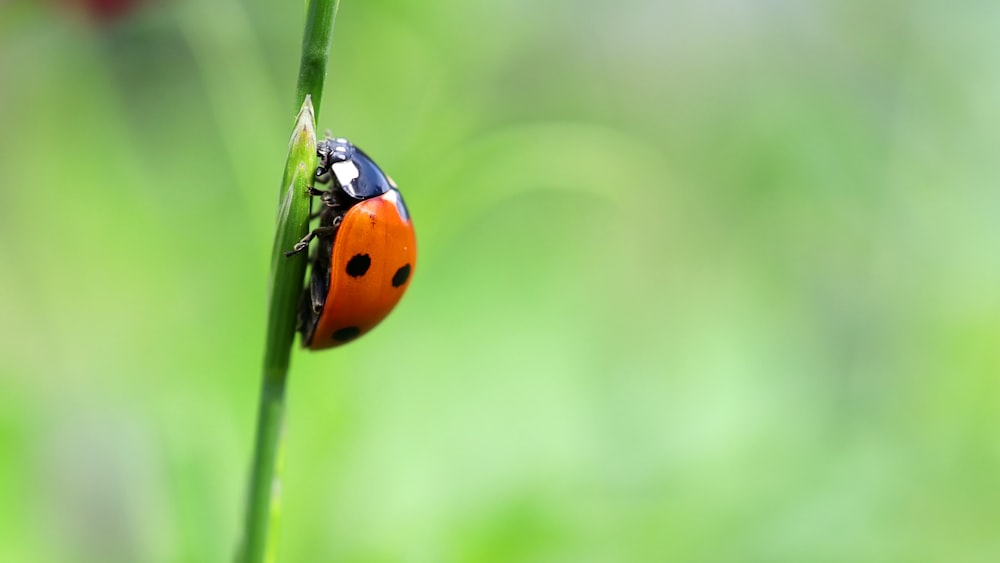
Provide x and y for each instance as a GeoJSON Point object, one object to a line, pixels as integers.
{"type": "Point", "coordinates": [263, 481]}
{"type": "Point", "coordinates": [315, 51]}
{"type": "Point", "coordinates": [287, 276]}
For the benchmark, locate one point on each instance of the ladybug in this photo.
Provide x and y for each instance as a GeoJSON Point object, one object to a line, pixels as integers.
{"type": "Point", "coordinates": [365, 253]}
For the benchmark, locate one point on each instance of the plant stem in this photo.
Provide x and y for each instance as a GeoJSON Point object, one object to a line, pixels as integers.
{"type": "Point", "coordinates": [287, 275]}
{"type": "Point", "coordinates": [263, 481]}
{"type": "Point", "coordinates": [315, 51]}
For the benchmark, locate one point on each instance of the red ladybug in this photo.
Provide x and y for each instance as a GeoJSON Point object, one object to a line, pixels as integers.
{"type": "Point", "coordinates": [366, 248]}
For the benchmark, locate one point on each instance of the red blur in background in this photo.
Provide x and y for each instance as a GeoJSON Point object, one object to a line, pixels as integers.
{"type": "Point", "coordinates": [103, 11]}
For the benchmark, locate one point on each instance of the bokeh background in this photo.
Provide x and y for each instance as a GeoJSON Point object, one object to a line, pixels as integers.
{"type": "Point", "coordinates": [699, 281]}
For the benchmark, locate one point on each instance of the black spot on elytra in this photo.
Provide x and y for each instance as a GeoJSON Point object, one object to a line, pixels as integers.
{"type": "Point", "coordinates": [358, 265]}
{"type": "Point", "coordinates": [346, 333]}
{"type": "Point", "coordinates": [401, 276]}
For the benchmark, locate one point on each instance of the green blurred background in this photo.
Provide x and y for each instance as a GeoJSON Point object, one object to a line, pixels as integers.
{"type": "Point", "coordinates": [698, 281]}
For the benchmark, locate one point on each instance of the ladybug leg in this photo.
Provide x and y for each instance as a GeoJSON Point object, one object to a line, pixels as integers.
{"type": "Point", "coordinates": [313, 192]}
{"type": "Point", "coordinates": [320, 212]}
{"type": "Point", "coordinates": [319, 280]}
{"type": "Point", "coordinates": [303, 317]}
{"type": "Point", "coordinates": [328, 197]}
{"type": "Point", "coordinates": [318, 288]}
{"type": "Point", "coordinates": [318, 231]}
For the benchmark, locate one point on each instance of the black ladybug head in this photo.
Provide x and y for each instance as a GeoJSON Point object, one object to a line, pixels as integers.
{"type": "Point", "coordinates": [351, 169]}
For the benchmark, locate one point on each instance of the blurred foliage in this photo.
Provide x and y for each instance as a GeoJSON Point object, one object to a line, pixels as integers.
{"type": "Point", "coordinates": [699, 281]}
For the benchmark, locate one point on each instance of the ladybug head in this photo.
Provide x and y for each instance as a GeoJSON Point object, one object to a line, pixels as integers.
{"type": "Point", "coordinates": [351, 169]}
